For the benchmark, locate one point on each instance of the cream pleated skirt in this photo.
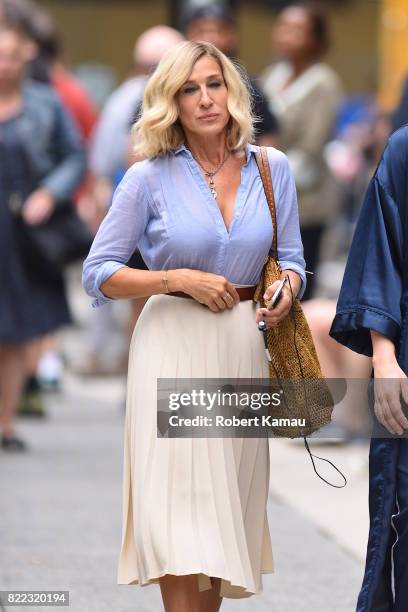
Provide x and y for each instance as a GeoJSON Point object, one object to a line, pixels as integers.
{"type": "Point", "coordinates": [193, 505]}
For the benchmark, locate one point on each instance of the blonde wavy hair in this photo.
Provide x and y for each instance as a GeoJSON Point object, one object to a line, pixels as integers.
{"type": "Point", "coordinates": [158, 131]}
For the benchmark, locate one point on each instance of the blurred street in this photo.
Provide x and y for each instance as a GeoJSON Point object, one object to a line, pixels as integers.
{"type": "Point", "coordinates": [60, 524]}
{"type": "Point", "coordinates": [61, 517]}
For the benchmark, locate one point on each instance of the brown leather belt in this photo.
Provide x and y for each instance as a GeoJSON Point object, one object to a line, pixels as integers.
{"type": "Point", "coordinates": [245, 293]}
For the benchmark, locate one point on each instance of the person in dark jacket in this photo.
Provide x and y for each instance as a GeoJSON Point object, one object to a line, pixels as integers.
{"type": "Point", "coordinates": [372, 319]}
{"type": "Point", "coordinates": [216, 24]}
{"type": "Point", "coordinates": [42, 162]}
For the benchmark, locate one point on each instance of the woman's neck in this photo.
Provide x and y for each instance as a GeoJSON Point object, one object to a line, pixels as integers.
{"type": "Point", "coordinates": [208, 149]}
{"type": "Point", "coordinates": [300, 65]}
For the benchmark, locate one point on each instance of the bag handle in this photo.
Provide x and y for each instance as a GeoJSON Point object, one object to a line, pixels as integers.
{"type": "Point", "coordinates": [265, 172]}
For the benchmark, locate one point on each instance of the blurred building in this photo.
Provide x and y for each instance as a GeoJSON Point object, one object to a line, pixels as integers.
{"type": "Point", "coordinates": [103, 32]}
{"type": "Point", "coordinates": [369, 35]}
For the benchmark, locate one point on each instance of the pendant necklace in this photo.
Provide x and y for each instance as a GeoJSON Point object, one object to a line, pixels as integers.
{"type": "Point", "coordinates": [211, 175]}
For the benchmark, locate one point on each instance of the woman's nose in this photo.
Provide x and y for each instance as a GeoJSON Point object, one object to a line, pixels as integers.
{"type": "Point", "coordinates": [205, 98]}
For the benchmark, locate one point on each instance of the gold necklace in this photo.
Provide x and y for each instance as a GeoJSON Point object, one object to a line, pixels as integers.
{"type": "Point", "coordinates": [211, 175]}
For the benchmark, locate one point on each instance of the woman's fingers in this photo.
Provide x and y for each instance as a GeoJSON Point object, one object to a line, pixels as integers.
{"type": "Point", "coordinates": [277, 314]}
{"type": "Point", "coordinates": [212, 305]}
{"type": "Point", "coordinates": [269, 291]}
{"type": "Point", "coordinates": [388, 406]}
{"type": "Point", "coordinates": [229, 295]}
{"type": "Point", "coordinates": [395, 407]}
{"type": "Point", "coordinates": [404, 390]}
{"type": "Point", "coordinates": [262, 314]}
{"type": "Point", "coordinates": [385, 417]}
{"type": "Point", "coordinates": [215, 291]}
{"type": "Point", "coordinates": [220, 302]}
{"type": "Point", "coordinates": [282, 308]}
{"type": "Point", "coordinates": [231, 290]}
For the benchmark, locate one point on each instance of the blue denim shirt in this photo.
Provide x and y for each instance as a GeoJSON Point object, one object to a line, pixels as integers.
{"type": "Point", "coordinates": [164, 207]}
{"type": "Point", "coordinates": [51, 141]}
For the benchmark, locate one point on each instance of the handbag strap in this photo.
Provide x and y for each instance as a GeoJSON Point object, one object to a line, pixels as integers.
{"type": "Point", "coordinates": [265, 172]}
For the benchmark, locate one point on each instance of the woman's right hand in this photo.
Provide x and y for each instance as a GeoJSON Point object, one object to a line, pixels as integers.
{"type": "Point", "coordinates": [213, 290]}
{"type": "Point", "coordinates": [38, 207]}
{"type": "Point", "coordinates": [390, 384]}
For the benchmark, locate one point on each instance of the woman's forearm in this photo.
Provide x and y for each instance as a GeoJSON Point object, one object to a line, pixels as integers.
{"type": "Point", "coordinates": [128, 283]}
{"type": "Point", "coordinates": [383, 348]}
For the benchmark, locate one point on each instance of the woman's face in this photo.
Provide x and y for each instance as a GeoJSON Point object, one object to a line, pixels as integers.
{"type": "Point", "coordinates": [293, 36]}
{"type": "Point", "coordinates": [202, 100]}
{"type": "Point", "coordinates": [13, 58]}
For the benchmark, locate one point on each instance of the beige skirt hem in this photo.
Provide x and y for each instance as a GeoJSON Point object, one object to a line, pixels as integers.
{"type": "Point", "coordinates": [204, 582]}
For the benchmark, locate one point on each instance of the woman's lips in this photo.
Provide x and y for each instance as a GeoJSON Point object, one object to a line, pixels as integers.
{"type": "Point", "coordinates": [209, 117]}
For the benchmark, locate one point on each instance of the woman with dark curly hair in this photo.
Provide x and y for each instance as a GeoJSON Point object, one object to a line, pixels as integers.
{"type": "Point", "coordinates": [304, 94]}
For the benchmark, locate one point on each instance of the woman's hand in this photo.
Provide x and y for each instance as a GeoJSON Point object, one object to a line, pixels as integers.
{"type": "Point", "coordinates": [38, 207]}
{"type": "Point", "coordinates": [390, 383]}
{"type": "Point", "coordinates": [281, 310]}
{"type": "Point", "coordinates": [213, 290]}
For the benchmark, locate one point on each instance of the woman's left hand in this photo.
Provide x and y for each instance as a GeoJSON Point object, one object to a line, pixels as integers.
{"type": "Point", "coordinates": [38, 207]}
{"type": "Point", "coordinates": [281, 310]}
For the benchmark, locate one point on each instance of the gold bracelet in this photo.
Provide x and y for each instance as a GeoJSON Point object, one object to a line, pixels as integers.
{"type": "Point", "coordinates": [165, 282]}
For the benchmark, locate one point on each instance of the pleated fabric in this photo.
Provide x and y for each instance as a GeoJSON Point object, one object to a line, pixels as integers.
{"type": "Point", "coordinates": [193, 505]}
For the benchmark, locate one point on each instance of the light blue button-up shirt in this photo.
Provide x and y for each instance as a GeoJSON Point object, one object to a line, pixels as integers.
{"type": "Point", "coordinates": [164, 207]}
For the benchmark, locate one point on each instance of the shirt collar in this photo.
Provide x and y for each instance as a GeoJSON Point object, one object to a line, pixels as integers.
{"type": "Point", "coordinates": [249, 149]}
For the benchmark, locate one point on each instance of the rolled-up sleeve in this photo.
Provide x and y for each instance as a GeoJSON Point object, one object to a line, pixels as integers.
{"type": "Point", "coordinates": [371, 291]}
{"type": "Point", "coordinates": [290, 247]}
{"type": "Point", "coordinates": [118, 234]}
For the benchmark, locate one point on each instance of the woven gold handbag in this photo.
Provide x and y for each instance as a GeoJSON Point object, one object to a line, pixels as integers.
{"type": "Point", "coordinates": [294, 366]}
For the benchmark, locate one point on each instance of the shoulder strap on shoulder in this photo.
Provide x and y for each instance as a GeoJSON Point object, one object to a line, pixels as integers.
{"type": "Point", "coordinates": [265, 172]}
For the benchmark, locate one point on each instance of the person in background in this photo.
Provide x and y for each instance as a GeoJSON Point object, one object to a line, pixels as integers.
{"type": "Point", "coordinates": [72, 93]}
{"type": "Point", "coordinates": [216, 24]}
{"type": "Point", "coordinates": [305, 94]}
{"type": "Point", "coordinates": [45, 362]}
{"type": "Point", "coordinates": [42, 164]}
{"type": "Point", "coordinates": [110, 156]}
{"type": "Point", "coordinates": [111, 140]}
{"type": "Point", "coordinates": [23, 14]}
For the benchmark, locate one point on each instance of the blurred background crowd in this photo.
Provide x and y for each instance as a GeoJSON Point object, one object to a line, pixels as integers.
{"type": "Point", "coordinates": [328, 87]}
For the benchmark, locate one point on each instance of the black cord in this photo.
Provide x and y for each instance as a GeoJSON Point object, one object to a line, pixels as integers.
{"type": "Point", "coordinates": [312, 456]}
{"type": "Point", "coordinates": [327, 461]}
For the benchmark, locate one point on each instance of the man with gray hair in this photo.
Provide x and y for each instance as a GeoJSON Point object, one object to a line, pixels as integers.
{"type": "Point", "coordinates": [110, 145]}
{"type": "Point", "coordinates": [109, 155]}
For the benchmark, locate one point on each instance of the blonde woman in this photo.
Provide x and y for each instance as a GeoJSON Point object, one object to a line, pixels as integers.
{"type": "Point", "coordinates": [195, 508]}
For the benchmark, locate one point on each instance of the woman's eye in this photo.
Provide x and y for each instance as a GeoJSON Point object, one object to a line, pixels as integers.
{"type": "Point", "coordinates": [215, 84]}
{"type": "Point", "coordinates": [189, 90]}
